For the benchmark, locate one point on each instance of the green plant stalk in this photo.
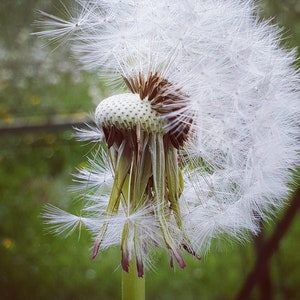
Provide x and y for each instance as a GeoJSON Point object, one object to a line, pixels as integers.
{"type": "Point", "coordinates": [133, 287]}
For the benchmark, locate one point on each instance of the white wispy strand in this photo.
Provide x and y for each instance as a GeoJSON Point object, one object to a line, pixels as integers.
{"type": "Point", "coordinates": [243, 91]}
{"type": "Point", "coordinates": [143, 218]}
{"type": "Point", "coordinates": [90, 134]}
{"type": "Point", "coordinates": [63, 222]}
{"type": "Point", "coordinates": [96, 178]}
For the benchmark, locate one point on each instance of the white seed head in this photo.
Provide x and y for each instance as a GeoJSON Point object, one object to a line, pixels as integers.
{"type": "Point", "coordinates": [215, 82]}
{"type": "Point", "coordinates": [125, 111]}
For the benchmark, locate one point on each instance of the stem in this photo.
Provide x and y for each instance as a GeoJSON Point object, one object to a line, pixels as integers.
{"type": "Point", "coordinates": [133, 287]}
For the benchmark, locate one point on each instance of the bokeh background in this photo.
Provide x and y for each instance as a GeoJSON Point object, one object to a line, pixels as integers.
{"type": "Point", "coordinates": [42, 95]}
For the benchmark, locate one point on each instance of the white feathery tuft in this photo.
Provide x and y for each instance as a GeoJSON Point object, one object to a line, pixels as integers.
{"type": "Point", "coordinates": [90, 134]}
{"type": "Point", "coordinates": [62, 222]}
{"type": "Point", "coordinates": [96, 177]}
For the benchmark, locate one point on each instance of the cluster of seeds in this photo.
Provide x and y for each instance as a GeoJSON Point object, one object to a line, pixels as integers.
{"type": "Point", "coordinates": [127, 111]}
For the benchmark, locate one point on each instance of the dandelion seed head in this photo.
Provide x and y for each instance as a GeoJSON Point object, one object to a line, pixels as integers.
{"type": "Point", "coordinates": [207, 84]}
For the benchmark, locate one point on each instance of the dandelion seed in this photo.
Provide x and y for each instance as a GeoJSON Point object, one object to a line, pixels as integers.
{"type": "Point", "coordinates": [90, 134]}
{"type": "Point", "coordinates": [203, 142]}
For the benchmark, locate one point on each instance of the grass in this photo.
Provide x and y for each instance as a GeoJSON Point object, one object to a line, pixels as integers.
{"type": "Point", "coordinates": [32, 260]}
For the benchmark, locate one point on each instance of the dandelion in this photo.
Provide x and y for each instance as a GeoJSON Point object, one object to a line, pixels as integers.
{"type": "Point", "coordinates": [199, 141]}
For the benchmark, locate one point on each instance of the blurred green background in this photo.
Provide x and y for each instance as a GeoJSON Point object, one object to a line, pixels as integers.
{"type": "Point", "coordinates": [37, 86]}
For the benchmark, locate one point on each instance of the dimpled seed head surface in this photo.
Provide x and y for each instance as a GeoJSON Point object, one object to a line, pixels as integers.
{"type": "Point", "coordinates": [125, 111]}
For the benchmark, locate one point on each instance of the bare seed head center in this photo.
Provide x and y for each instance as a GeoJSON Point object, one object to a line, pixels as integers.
{"type": "Point", "coordinates": [126, 111]}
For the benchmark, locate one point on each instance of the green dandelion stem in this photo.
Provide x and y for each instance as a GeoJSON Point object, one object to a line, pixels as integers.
{"type": "Point", "coordinates": [133, 287]}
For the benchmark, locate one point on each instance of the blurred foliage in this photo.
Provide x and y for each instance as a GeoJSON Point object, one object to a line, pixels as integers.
{"type": "Point", "coordinates": [37, 80]}
{"type": "Point", "coordinates": [36, 83]}
{"type": "Point", "coordinates": [285, 13]}
{"type": "Point", "coordinates": [35, 170]}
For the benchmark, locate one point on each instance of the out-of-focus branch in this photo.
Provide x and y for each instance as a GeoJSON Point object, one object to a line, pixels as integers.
{"type": "Point", "coordinates": [53, 123]}
{"type": "Point", "coordinates": [269, 247]}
